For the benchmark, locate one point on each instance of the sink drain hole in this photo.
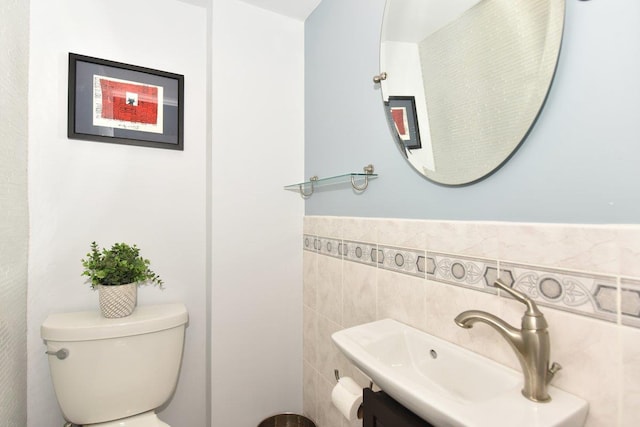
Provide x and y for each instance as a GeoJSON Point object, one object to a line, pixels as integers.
{"type": "Point", "coordinates": [434, 354]}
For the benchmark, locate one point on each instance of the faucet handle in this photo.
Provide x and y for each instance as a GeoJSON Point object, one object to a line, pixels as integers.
{"type": "Point", "coordinates": [532, 308]}
{"type": "Point", "coordinates": [555, 367]}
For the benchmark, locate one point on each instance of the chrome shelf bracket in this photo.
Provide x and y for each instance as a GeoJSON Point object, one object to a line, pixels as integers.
{"type": "Point", "coordinates": [307, 188]}
{"type": "Point", "coordinates": [368, 170]}
{"type": "Point", "coordinates": [304, 195]}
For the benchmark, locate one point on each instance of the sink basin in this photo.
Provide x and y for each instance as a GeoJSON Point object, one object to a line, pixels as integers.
{"type": "Point", "coordinates": [448, 385]}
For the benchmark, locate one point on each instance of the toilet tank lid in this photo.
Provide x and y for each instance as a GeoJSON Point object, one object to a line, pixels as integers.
{"type": "Point", "coordinates": [90, 325]}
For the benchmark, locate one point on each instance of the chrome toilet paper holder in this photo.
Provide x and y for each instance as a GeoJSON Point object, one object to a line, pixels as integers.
{"type": "Point", "coordinates": [336, 373]}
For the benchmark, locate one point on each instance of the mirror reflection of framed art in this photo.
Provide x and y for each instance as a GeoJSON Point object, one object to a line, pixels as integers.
{"type": "Point", "coordinates": [401, 112]}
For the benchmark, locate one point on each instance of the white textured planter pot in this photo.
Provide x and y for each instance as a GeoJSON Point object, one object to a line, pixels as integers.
{"type": "Point", "coordinates": [117, 301]}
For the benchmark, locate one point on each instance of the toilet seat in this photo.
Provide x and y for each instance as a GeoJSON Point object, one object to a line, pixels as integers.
{"type": "Point", "coordinates": [147, 419]}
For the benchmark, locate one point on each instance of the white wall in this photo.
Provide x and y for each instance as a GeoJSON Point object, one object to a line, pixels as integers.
{"type": "Point", "coordinates": [82, 191]}
{"type": "Point", "coordinates": [14, 220]}
{"type": "Point", "coordinates": [257, 278]}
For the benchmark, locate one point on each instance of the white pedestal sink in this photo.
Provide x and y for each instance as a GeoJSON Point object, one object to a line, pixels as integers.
{"type": "Point", "coordinates": [450, 386]}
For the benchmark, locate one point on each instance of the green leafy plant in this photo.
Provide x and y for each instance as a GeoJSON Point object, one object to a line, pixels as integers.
{"type": "Point", "coordinates": [120, 265]}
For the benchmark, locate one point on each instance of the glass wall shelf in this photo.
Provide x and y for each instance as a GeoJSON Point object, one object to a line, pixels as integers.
{"type": "Point", "coordinates": [359, 182]}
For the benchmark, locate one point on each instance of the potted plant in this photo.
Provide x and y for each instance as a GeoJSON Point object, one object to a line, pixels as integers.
{"type": "Point", "coordinates": [116, 274]}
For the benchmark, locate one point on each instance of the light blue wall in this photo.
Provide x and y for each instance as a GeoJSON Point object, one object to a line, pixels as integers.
{"type": "Point", "coordinates": [580, 163]}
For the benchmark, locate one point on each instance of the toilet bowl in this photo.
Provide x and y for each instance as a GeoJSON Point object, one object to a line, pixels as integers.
{"type": "Point", "coordinates": [148, 419]}
{"type": "Point", "coordinates": [115, 372]}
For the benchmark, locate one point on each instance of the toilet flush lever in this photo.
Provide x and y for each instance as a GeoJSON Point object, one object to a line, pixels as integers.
{"type": "Point", "coordinates": [61, 354]}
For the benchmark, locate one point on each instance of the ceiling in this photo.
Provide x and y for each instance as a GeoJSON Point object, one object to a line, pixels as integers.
{"type": "Point", "coordinates": [298, 9]}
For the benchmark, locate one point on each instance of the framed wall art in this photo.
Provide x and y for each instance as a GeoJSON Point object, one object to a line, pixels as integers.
{"type": "Point", "coordinates": [401, 111]}
{"type": "Point", "coordinates": [124, 104]}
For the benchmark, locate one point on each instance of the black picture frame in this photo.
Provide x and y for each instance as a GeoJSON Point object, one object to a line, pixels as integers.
{"type": "Point", "coordinates": [410, 138]}
{"type": "Point", "coordinates": [126, 104]}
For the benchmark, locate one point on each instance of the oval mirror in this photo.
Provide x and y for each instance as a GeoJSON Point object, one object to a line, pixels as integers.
{"type": "Point", "coordinates": [466, 80]}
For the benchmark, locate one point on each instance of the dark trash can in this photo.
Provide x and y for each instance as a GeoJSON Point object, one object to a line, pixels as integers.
{"type": "Point", "coordinates": [287, 420]}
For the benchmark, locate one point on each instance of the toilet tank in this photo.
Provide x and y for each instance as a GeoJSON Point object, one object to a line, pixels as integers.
{"type": "Point", "coordinates": [115, 368]}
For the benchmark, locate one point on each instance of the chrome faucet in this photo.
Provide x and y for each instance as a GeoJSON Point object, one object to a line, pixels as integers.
{"type": "Point", "coordinates": [530, 343]}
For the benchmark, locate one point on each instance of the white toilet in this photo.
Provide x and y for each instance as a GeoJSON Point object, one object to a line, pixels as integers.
{"type": "Point", "coordinates": [115, 372]}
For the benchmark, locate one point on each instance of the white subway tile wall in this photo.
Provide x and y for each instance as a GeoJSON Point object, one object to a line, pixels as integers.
{"type": "Point", "coordinates": [585, 278]}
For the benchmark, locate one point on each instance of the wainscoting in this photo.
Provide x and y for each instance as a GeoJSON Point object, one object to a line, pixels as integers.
{"type": "Point", "coordinates": [585, 279]}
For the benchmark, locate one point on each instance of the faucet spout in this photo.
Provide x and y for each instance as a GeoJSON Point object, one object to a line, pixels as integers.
{"type": "Point", "coordinates": [530, 343]}
{"type": "Point", "coordinates": [513, 336]}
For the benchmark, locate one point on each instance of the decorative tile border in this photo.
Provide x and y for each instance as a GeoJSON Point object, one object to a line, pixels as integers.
{"type": "Point", "coordinates": [473, 273]}
{"type": "Point", "coordinates": [630, 302]}
{"type": "Point", "coordinates": [592, 295]}
{"type": "Point", "coordinates": [407, 261]}
{"type": "Point", "coordinates": [365, 253]}
{"type": "Point", "coordinates": [310, 243]}
{"type": "Point", "coordinates": [589, 295]}
{"type": "Point", "coordinates": [331, 247]}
